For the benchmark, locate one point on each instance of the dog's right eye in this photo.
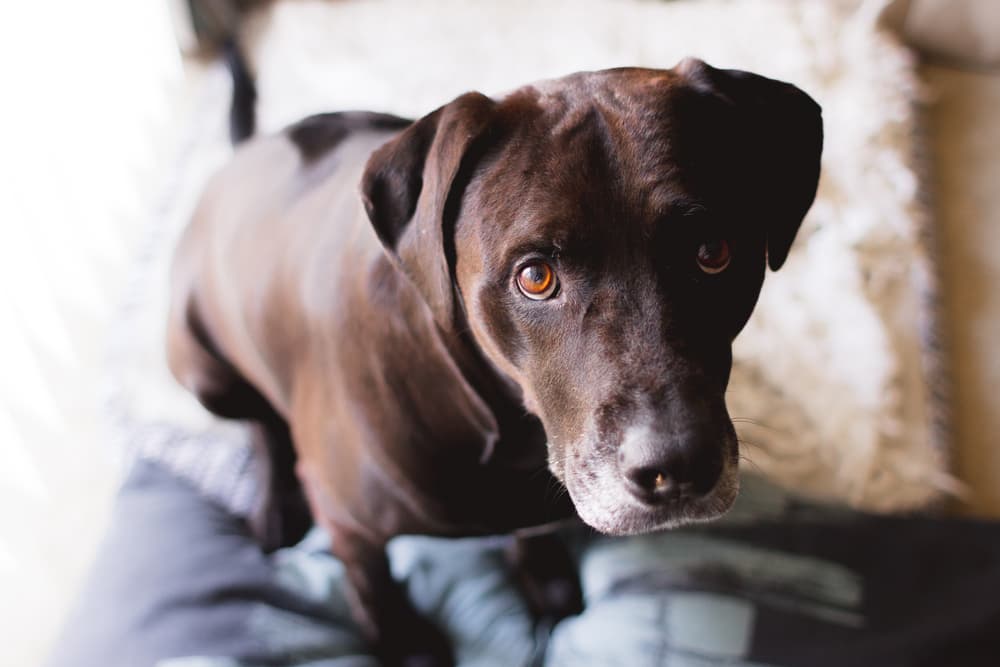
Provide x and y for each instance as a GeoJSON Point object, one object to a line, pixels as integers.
{"type": "Point", "coordinates": [537, 280]}
{"type": "Point", "coordinates": [714, 256]}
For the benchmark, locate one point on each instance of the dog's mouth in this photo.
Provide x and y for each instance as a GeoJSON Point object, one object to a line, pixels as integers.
{"type": "Point", "coordinates": [608, 501]}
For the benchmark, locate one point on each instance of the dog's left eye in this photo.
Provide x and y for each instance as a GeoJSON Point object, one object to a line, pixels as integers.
{"type": "Point", "coordinates": [537, 280]}
{"type": "Point", "coordinates": [714, 256]}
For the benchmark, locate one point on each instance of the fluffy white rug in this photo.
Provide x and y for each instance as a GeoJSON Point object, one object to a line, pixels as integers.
{"type": "Point", "coordinates": [836, 386]}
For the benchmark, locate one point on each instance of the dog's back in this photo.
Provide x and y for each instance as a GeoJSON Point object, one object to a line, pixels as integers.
{"type": "Point", "coordinates": [283, 222]}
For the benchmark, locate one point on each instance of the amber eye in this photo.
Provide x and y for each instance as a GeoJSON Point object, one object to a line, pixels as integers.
{"type": "Point", "coordinates": [714, 256]}
{"type": "Point", "coordinates": [537, 280]}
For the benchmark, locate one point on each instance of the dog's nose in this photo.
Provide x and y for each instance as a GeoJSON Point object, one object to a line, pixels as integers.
{"type": "Point", "coordinates": [658, 470]}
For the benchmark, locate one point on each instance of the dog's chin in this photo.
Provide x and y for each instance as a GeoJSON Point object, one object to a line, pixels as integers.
{"type": "Point", "coordinates": [612, 510]}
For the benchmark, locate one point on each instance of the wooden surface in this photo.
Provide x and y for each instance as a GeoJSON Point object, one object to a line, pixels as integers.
{"type": "Point", "coordinates": [964, 119]}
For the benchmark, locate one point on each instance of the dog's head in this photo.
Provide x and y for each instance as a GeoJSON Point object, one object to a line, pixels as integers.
{"type": "Point", "coordinates": [604, 238]}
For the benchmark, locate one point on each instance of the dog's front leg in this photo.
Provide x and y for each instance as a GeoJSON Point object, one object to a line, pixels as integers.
{"type": "Point", "coordinates": [379, 604]}
{"type": "Point", "coordinates": [401, 636]}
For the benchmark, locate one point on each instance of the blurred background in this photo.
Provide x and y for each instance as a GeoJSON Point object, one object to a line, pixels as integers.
{"type": "Point", "coordinates": [115, 112]}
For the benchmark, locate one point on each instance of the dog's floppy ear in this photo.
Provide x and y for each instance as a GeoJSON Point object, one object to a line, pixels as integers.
{"type": "Point", "coordinates": [784, 128]}
{"type": "Point", "coordinates": [411, 188]}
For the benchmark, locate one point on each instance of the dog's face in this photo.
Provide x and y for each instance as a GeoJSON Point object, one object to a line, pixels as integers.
{"type": "Point", "coordinates": [604, 237]}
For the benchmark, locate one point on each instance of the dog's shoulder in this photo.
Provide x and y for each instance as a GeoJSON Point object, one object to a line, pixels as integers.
{"type": "Point", "coordinates": [317, 135]}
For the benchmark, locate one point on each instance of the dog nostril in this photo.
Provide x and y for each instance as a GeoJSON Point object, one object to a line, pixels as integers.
{"type": "Point", "coordinates": [651, 481]}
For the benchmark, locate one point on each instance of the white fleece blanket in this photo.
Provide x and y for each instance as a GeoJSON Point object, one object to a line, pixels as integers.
{"type": "Point", "coordinates": [836, 389]}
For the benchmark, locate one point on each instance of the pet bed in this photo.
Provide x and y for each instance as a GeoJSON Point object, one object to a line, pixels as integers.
{"type": "Point", "coordinates": [837, 388]}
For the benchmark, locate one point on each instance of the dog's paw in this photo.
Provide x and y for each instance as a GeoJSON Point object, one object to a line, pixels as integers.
{"type": "Point", "coordinates": [556, 599]}
{"type": "Point", "coordinates": [419, 644]}
{"type": "Point", "coordinates": [544, 571]}
{"type": "Point", "coordinates": [553, 598]}
{"type": "Point", "coordinates": [425, 660]}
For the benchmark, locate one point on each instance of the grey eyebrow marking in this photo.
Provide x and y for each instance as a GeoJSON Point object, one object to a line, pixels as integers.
{"type": "Point", "coordinates": [689, 209]}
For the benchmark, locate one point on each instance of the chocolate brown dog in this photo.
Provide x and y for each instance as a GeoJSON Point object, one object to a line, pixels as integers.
{"type": "Point", "coordinates": [457, 316]}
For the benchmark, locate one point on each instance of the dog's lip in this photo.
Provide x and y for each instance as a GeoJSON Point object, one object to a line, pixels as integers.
{"type": "Point", "coordinates": [642, 520]}
{"type": "Point", "coordinates": [632, 517]}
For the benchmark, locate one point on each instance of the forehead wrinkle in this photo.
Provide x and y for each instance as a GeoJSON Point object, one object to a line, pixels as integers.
{"type": "Point", "coordinates": [636, 135]}
{"type": "Point", "coordinates": [619, 135]}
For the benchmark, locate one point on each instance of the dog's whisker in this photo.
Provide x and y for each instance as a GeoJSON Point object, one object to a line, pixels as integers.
{"type": "Point", "coordinates": [760, 424]}
{"type": "Point", "coordinates": [554, 490]}
{"type": "Point", "coordinates": [747, 420]}
{"type": "Point", "coordinates": [538, 472]}
{"type": "Point", "coordinates": [789, 458]}
{"type": "Point", "coordinates": [752, 463]}
{"type": "Point", "coordinates": [755, 422]}
{"type": "Point", "coordinates": [752, 444]}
